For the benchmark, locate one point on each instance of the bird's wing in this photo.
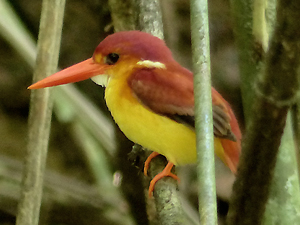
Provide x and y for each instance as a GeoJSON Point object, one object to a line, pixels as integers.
{"type": "Point", "coordinates": [170, 93]}
{"type": "Point", "coordinates": [232, 147]}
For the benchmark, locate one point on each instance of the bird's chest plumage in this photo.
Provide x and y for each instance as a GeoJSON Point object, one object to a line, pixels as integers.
{"type": "Point", "coordinates": [142, 126]}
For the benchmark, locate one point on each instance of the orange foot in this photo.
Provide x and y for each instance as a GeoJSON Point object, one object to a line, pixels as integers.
{"type": "Point", "coordinates": [165, 173]}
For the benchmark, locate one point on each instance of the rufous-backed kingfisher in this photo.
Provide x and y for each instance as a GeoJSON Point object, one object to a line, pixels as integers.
{"type": "Point", "coordinates": [151, 98]}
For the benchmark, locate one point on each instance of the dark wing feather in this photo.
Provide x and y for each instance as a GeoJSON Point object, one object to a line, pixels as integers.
{"type": "Point", "coordinates": [221, 122]}
{"type": "Point", "coordinates": [171, 93]}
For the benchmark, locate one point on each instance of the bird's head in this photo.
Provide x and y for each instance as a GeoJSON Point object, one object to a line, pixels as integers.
{"type": "Point", "coordinates": [115, 55]}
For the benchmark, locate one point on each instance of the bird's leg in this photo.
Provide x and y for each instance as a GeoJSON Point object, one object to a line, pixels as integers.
{"type": "Point", "coordinates": [165, 173]}
{"type": "Point", "coordinates": [148, 160]}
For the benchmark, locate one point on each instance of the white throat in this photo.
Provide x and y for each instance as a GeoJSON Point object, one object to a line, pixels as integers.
{"type": "Point", "coordinates": [102, 80]}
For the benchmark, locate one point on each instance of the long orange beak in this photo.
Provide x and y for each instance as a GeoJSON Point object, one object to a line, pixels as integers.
{"type": "Point", "coordinates": [78, 72]}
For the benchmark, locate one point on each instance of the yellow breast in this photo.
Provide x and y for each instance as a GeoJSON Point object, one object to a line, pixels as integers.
{"type": "Point", "coordinates": [155, 132]}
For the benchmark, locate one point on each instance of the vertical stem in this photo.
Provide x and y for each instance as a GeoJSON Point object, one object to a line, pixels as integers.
{"type": "Point", "coordinates": [40, 113]}
{"type": "Point", "coordinates": [203, 112]}
{"type": "Point", "coordinates": [150, 18]}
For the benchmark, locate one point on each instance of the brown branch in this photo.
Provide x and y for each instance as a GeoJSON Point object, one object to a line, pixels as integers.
{"type": "Point", "coordinates": [277, 90]}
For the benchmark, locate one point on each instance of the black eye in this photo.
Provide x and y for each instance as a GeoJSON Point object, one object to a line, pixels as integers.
{"type": "Point", "coordinates": [112, 58]}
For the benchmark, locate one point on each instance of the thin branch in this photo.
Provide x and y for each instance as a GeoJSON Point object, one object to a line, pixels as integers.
{"type": "Point", "coordinates": [40, 113]}
{"type": "Point", "coordinates": [273, 100]}
{"type": "Point", "coordinates": [203, 112]}
{"type": "Point", "coordinates": [150, 17]}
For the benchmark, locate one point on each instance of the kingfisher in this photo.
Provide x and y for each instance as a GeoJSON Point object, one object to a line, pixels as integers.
{"type": "Point", "coordinates": [151, 99]}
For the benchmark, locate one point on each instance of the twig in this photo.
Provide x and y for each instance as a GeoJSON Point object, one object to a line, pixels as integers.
{"type": "Point", "coordinates": [40, 113]}
{"type": "Point", "coordinates": [150, 17]}
{"type": "Point", "coordinates": [203, 113]}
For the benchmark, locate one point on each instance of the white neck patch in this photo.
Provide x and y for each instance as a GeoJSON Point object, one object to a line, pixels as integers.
{"type": "Point", "coordinates": [102, 79]}
{"type": "Point", "coordinates": [150, 64]}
